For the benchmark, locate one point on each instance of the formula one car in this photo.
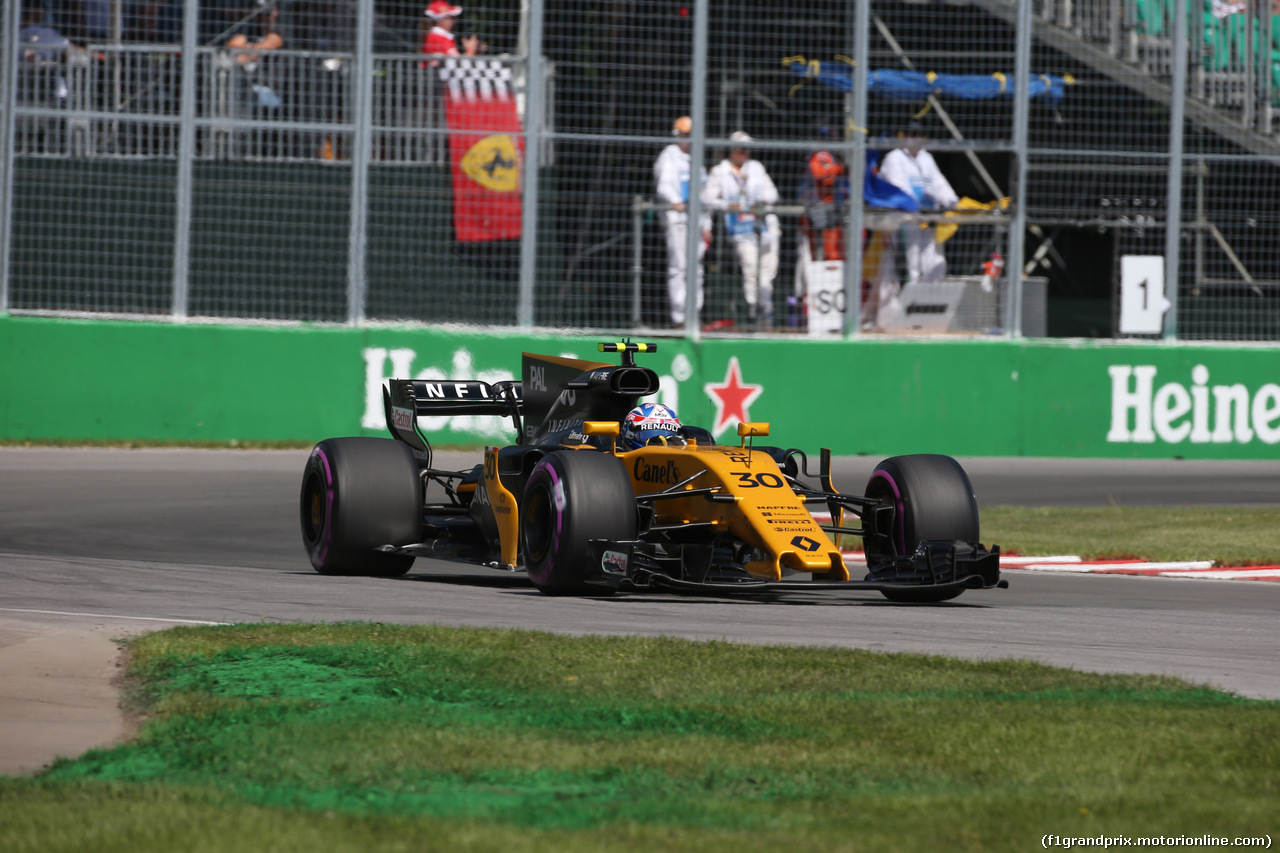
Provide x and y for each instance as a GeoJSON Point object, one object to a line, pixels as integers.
{"type": "Point", "coordinates": [583, 513]}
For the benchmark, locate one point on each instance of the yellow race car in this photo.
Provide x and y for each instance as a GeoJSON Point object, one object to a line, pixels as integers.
{"type": "Point", "coordinates": [604, 493]}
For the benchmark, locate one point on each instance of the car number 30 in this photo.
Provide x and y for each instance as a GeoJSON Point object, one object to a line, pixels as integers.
{"type": "Point", "coordinates": [748, 480]}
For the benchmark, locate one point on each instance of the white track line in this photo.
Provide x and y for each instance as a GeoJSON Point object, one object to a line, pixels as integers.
{"type": "Point", "coordinates": [1227, 574]}
{"type": "Point", "coordinates": [1196, 569]}
{"type": "Point", "coordinates": [1018, 562]}
{"type": "Point", "coordinates": [1084, 568]}
{"type": "Point", "coordinates": [112, 616]}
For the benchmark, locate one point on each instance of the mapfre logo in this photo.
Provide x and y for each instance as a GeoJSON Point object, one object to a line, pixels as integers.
{"type": "Point", "coordinates": [1144, 411]}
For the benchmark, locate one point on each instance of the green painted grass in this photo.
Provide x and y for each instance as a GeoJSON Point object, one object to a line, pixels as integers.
{"type": "Point", "coordinates": [335, 737]}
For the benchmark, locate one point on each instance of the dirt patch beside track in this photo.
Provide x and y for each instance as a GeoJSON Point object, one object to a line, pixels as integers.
{"type": "Point", "coordinates": [60, 691]}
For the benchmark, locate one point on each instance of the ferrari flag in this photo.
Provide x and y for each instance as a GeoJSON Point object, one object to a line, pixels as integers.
{"type": "Point", "coordinates": [486, 149]}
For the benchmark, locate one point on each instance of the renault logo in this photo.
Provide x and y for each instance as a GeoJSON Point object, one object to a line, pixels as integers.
{"type": "Point", "coordinates": [804, 543]}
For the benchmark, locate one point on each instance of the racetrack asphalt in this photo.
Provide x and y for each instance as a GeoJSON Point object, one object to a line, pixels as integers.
{"type": "Point", "coordinates": [102, 544]}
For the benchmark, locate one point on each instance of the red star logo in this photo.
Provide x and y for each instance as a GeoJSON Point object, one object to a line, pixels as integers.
{"type": "Point", "coordinates": [732, 398]}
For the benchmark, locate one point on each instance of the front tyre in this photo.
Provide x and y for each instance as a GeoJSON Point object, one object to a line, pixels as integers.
{"type": "Point", "coordinates": [932, 499]}
{"type": "Point", "coordinates": [357, 495]}
{"type": "Point", "coordinates": [571, 497]}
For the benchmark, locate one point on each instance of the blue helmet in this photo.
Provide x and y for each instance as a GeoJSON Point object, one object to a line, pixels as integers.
{"type": "Point", "coordinates": [651, 423]}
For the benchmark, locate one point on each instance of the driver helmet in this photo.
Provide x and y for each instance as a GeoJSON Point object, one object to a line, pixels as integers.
{"type": "Point", "coordinates": [651, 423]}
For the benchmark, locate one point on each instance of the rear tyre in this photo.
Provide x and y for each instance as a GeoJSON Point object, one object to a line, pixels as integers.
{"type": "Point", "coordinates": [573, 496]}
{"type": "Point", "coordinates": [357, 495]}
{"type": "Point", "coordinates": [933, 499]}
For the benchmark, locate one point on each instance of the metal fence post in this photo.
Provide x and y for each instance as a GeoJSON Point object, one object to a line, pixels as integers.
{"type": "Point", "coordinates": [637, 259]}
{"type": "Point", "coordinates": [856, 157]}
{"type": "Point", "coordinates": [361, 150]}
{"type": "Point", "coordinates": [697, 156]}
{"type": "Point", "coordinates": [1021, 144]}
{"type": "Point", "coordinates": [533, 107]}
{"type": "Point", "coordinates": [1173, 211]}
{"type": "Point", "coordinates": [186, 158]}
{"type": "Point", "coordinates": [9, 26]}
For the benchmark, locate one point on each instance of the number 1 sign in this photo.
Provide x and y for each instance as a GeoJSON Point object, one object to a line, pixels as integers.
{"type": "Point", "coordinates": [1142, 301]}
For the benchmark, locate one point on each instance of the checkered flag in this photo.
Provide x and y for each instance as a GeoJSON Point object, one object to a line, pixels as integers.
{"type": "Point", "coordinates": [473, 79]}
{"type": "Point", "coordinates": [486, 148]}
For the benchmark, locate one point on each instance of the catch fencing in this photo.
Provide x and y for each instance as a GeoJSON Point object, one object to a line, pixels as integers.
{"type": "Point", "coordinates": [1116, 160]}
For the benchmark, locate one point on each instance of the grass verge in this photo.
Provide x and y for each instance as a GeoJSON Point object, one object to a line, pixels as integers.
{"type": "Point", "coordinates": [337, 737]}
{"type": "Point", "coordinates": [1231, 536]}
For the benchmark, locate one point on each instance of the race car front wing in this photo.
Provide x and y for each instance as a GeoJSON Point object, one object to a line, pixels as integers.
{"type": "Point", "coordinates": [939, 566]}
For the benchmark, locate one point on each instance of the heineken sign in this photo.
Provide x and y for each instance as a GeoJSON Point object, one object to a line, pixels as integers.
{"type": "Point", "coordinates": [1148, 407]}
{"type": "Point", "coordinates": [874, 396]}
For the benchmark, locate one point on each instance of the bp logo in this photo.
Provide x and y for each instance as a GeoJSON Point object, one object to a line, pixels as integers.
{"type": "Point", "coordinates": [804, 543]}
{"type": "Point", "coordinates": [493, 163]}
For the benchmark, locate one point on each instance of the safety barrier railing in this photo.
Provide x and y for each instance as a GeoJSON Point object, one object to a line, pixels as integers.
{"type": "Point", "coordinates": [194, 205]}
{"type": "Point", "coordinates": [790, 312]}
{"type": "Point", "coordinates": [122, 101]}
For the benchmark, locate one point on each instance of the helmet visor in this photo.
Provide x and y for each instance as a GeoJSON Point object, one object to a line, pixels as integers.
{"type": "Point", "coordinates": [659, 438]}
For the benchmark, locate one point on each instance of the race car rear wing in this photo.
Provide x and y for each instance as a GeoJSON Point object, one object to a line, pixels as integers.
{"type": "Point", "coordinates": [405, 400]}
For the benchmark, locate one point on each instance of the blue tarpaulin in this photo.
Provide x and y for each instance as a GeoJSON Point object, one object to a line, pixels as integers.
{"type": "Point", "coordinates": [877, 192]}
{"type": "Point", "coordinates": [918, 85]}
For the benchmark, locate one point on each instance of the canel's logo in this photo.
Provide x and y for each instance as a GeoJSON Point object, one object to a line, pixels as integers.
{"type": "Point", "coordinates": [1142, 413]}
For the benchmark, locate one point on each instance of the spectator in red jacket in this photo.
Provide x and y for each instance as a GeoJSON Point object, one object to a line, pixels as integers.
{"type": "Point", "coordinates": [439, 39]}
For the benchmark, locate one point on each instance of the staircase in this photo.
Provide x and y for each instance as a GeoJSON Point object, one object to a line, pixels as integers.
{"type": "Point", "coordinates": [1234, 56]}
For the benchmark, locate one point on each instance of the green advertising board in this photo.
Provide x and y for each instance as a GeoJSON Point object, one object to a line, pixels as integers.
{"type": "Point", "coordinates": [1003, 398]}
{"type": "Point", "coordinates": [1196, 402]}
{"type": "Point", "coordinates": [73, 380]}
